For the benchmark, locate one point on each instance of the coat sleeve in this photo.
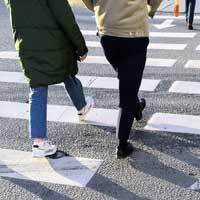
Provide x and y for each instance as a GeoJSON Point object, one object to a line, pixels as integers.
{"type": "Point", "coordinates": [153, 6]}
{"type": "Point", "coordinates": [65, 17]}
{"type": "Point", "coordinates": [89, 4]}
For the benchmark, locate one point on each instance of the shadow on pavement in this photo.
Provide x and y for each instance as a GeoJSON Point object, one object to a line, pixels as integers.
{"type": "Point", "coordinates": [173, 144]}
{"type": "Point", "coordinates": [98, 183]}
{"type": "Point", "coordinates": [38, 189]}
{"type": "Point", "coordinates": [106, 186]}
{"type": "Point", "coordinates": [150, 165]}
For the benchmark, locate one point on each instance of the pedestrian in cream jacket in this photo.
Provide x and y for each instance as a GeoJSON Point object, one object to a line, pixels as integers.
{"type": "Point", "coordinates": [123, 27]}
{"type": "Point", "coordinates": [123, 18]}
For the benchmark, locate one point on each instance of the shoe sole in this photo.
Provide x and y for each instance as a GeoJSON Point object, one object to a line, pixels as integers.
{"type": "Point", "coordinates": [40, 155]}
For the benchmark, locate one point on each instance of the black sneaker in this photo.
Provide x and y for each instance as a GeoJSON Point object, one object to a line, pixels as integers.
{"type": "Point", "coordinates": [124, 151]}
{"type": "Point", "coordinates": [141, 106]}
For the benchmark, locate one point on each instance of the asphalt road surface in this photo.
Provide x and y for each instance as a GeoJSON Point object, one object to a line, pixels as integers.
{"type": "Point", "coordinates": [167, 141]}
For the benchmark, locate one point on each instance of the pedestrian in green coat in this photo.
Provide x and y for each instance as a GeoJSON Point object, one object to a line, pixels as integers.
{"type": "Point", "coordinates": [49, 43]}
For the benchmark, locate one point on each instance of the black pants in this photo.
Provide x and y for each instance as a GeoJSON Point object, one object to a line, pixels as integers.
{"type": "Point", "coordinates": [127, 56]}
{"type": "Point", "coordinates": [189, 10]}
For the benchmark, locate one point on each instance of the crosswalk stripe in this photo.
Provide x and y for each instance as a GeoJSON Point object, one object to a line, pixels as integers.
{"type": "Point", "coordinates": [87, 81]}
{"type": "Point", "coordinates": [66, 170]}
{"type": "Point", "coordinates": [154, 62]}
{"type": "Point", "coordinates": [193, 64]}
{"type": "Point", "coordinates": [92, 19]}
{"type": "Point", "coordinates": [198, 48]}
{"type": "Point", "coordinates": [180, 17]}
{"type": "Point", "coordinates": [161, 46]}
{"type": "Point", "coordinates": [176, 123]}
{"type": "Point", "coordinates": [8, 55]}
{"type": "Point", "coordinates": [167, 46]}
{"type": "Point", "coordinates": [56, 113]}
{"type": "Point", "coordinates": [89, 32]}
{"type": "Point", "coordinates": [153, 34]}
{"type": "Point", "coordinates": [185, 87]}
{"type": "Point", "coordinates": [172, 34]}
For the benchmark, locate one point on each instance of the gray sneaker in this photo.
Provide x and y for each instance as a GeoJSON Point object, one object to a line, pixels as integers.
{"type": "Point", "coordinates": [83, 113]}
{"type": "Point", "coordinates": [43, 149]}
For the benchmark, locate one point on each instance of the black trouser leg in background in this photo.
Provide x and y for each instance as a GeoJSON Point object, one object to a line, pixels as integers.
{"type": "Point", "coordinates": [186, 9]}
{"type": "Point", "coordinates": [128, 57]}
{"type": "Point", "coordinates": [189, 9]}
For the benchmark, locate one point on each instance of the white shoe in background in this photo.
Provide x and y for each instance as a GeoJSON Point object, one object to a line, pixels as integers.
{"type": "Point", "coordinates": [84, 111]}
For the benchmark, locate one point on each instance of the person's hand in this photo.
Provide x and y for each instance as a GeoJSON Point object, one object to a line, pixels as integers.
{"type": "Point", "coordinates": [82, 58]}
{"type": "Point", "coordinates": [149, 2]}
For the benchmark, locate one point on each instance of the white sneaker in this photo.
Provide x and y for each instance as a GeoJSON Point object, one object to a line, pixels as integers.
{"type": "Point", "coordinates": [43, 149]}
{"type": "Point", "coordinates": [84, 111]}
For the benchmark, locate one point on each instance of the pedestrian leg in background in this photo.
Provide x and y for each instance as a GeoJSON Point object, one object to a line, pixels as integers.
{"type": "Point", "coordinates": [190, 8]}
{"type": "Point", "coordinates": [75, 91]}
{"type": "Point", "coordinates": [128, 57]}
{"type": "Point", "coordinates": [186, 10]}
{"type": "Point", "coordinates": [38, 122]}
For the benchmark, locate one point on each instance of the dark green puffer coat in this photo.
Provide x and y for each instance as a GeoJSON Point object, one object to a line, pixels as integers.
{"type": "Point", "coordinates": [48, 39]}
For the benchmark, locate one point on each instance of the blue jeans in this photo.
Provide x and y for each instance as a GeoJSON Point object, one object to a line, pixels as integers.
{"type": "Point", "coordinates": [190, 7]}
{"type": "Point", "coordinates": [38, 105]}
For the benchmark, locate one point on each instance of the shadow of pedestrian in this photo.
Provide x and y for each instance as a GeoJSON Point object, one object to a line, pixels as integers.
{"type": "Point", "coordinates": [165, 142]}
{"type": "Point", "coordinates": [38, 189]}
{"type": "Point", "coordinates": [98, 183]}
{"type": "Point", "coordinates": [106, 186]}
{"type": "Point", "coordinates": [149, 164]}
{"type": "Point", "coordinates": [32, 186]}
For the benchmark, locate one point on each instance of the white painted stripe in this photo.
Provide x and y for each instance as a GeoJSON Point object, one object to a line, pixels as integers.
{"type": "Point", "coordinates": [149, 85]}
{"type": "Point", "coordinates": [89, 32]}
{"type": "Point", "coordinates": [9, 55]}
{"type": "Point", "coordinates": [90, 18]}
{"type": "Point", "coordinates": [165, 46]}
{"type": "Point", "coordinates": [96, 60]}
{"type": "Point", "coordinates": [176, 123]}
{"type": "Point", "coordinates": [153, 34]}
{"type": "Point", "coordinates": [154, 62]}
{"type": "Point", "coordinates": [87, 81]}
{"type": "Point", "coordinates": [180, 17]}
{"type": "Point", "coordinates": [12, 77]}
{"type": "Point", "coordinates": [185, 87]}
{"type": "Point", "coordinates": [159, 62]}
{"type": "Point", "coordinates": [66, 170]}
{"type": "Point", "coordinates": [172, 34]}
{"type": "Point", "coordinates": [198, 48]}
{"type": "Point", "coordinates": [68, 114]}
{"type": "Point", "coordinates": [161, 46]}
{"type": "Point", "coordinates": [193, 64]}
{"type": "Point", "coordinates": [93, 44]}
